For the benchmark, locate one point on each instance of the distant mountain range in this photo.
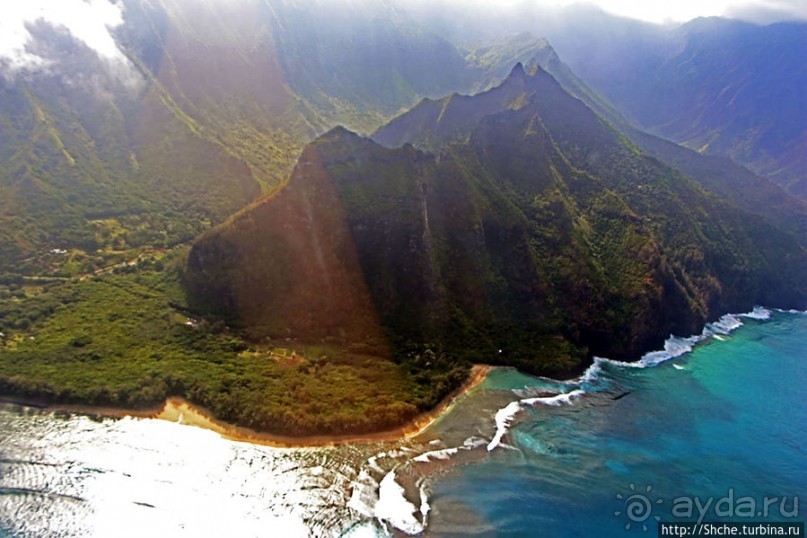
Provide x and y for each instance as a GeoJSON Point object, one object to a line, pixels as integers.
{"type": "Point", "coordinates": [531, 232]}
{"type": "Point", "coordinates": [720, 87]}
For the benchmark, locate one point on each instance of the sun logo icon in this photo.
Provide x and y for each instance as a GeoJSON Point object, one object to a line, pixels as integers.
{"type": "Point", "coordinates": [638, 507]}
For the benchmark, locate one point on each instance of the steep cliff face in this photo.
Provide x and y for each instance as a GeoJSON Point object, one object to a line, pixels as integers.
{"type": "Point", "coordinates": [535, 235]}
{"type": "Point", "coordinates": [288, 266]}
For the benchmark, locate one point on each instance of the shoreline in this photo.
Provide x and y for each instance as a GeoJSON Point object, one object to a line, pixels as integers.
{"type": "Point", "coordinates": [179, 410]}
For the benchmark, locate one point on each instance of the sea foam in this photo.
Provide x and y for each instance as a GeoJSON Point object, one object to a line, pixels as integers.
{"type": "Point", "coordinates": [758, 313]}
{"type": "Point", "coordinates": [393, 506]}
{"type": "Point", "coordinates": [446, 453]}
{"type": "Point", "coordinates": [724, 325]}
{"type": "Point", "coordinates": [442, 454]}
{"type": "Point", "coordinates": [674, 347]}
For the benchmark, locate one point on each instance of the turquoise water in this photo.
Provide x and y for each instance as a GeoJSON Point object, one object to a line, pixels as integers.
{"type": "Point", "coordinates": [725, 421]}
{"type": "Point", "coordinates": [518, 456]}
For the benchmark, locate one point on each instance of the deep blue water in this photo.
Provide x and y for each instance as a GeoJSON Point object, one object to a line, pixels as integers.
{"type": "Point", "coordinates": [726, 421]}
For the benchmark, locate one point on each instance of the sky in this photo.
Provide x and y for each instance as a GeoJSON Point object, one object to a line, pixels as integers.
{"type": "Point", "coordinates": [92, 20]}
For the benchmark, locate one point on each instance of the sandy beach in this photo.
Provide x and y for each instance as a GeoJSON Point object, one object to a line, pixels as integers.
{"type": "Point", "coordinates": [179, 410]}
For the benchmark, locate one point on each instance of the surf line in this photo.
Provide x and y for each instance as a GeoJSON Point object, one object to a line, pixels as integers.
{"type": "Point", "coordinates": [674, 346]}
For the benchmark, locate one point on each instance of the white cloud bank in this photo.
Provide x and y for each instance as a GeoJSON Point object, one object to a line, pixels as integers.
{"type": "Point", "coordinates": [89, 21]}
{"type": "Point", "coordinates": [768, 11]}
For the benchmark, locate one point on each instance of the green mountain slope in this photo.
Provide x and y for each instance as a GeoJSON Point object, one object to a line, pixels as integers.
{"type": "Point", "coordinates": [540, 237]}
{"type": "Point", "coordinates": [75, 163]}
{"type": "Point", "coordinates": [731, 182]}
{"type": "Point", "coordinates": [102, 159]}
{"type": "Point", "coordinates": [359, 63]}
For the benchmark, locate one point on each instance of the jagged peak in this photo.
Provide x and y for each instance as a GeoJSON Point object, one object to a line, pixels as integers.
{"type": "Point", "coordinates": [532, 72]}
{"type": "Point", "coordinates": [338, 132]}
{"type": "Point", "coordinates": [517, 71]}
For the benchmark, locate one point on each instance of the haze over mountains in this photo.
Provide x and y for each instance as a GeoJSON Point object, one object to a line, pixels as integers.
{"type": "Point", "coordinates": [718, 86]}
{"type": "Point", "coordinates": [499, 213]}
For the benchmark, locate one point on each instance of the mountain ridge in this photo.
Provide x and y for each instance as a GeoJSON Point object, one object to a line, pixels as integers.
{"type": "Point", "coordinates": [721, 176]}
{"type": "Point", "coordinates": [546, 181]}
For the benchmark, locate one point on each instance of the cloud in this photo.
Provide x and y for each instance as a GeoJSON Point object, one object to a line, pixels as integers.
{"type": "Point", "coordinates": [768, 11]}
{"type": "Point", "coordinates": [88, 21]}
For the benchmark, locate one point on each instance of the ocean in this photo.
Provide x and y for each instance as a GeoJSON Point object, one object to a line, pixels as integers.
{"type": "Point", "coordinates": [711, 428]}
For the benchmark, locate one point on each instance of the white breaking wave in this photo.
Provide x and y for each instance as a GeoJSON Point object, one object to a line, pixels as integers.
{"type": "Point", "coordinates": [425, 507]}
{"type": "Point", "coordinates": [758, 313]}
{"type": "Point", "coordinates": [558, 399]}
{"type": "Point", "coordinates": [372, 462]}
{"type": "Point", "coordinates": [504, 416]}
{"type": "Point", "coordinates": [446, 453]}
{"type": "Point", "coordinates": [385, 501]}
{"type": "Point", "coordinates": [443, 454]}
{"type": "Point", "coordinates": [592, 373]}
{"type": "Point", "coordinates": [674, 346]}
{"type": "Point", "coordinates": [364, 494]}
{"type": "Point", "coordinates": [365, 529]}
{"type": "Point", "coordinates": [475, 442]}
{"type": "Point", "coordinates": [724, 325]}
{"type": "Point", "coordinates": [792, 311]}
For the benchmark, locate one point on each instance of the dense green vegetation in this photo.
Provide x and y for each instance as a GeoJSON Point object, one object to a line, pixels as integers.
{"type": "Point", "coordinates": [535, 235]}
{"type": "Point", "coordinates": [127, 339]}
{"type": "Point", "coordinates": [93, 178]}
{"type": "Point", "coordinates": [731, 182]}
